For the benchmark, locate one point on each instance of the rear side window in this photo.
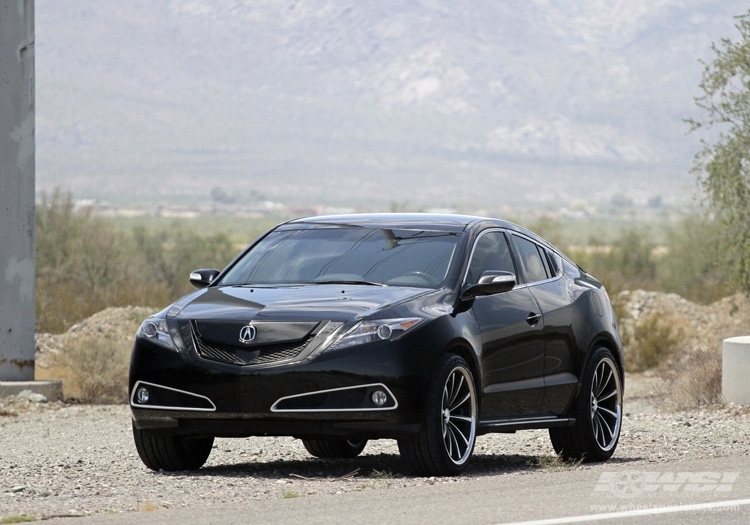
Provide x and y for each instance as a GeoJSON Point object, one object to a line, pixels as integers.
{"type": "Point", "coordinates": [554, 263]}
{"type": "Point", "coordinates": [532, 263]}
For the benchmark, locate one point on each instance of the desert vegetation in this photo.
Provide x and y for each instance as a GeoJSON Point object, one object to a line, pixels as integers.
{"type": "Point", "coordinates": [87, 263]}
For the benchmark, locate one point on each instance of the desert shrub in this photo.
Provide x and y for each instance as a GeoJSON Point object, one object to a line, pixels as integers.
{"type": "Point", "coordinates": [653, 339]}
{"type": "Point", "coordinates": [696, 380]}
{"type": "Point", "coordinates": [628, 263]}
{"type": "Point", "coordinates": [94, 369]}
{"type": "Point", "coordinates": [693, 266]}
{"type": "Point", "coordinates": [92, 358]}
{"type": "Point", "coordinates": [171, 254]}
{"type": "Point", "coordinates": [83, 265]}
{"type": "Point", "coordinates": [552, 231]}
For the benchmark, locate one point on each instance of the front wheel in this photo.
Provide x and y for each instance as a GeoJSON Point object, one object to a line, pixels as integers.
{"type": "Point", "coordinates": [169, 452]}
{"type": "Point", "coordinates": [334, 448]}
{"type": "Point", "coordinates": [445, 443]}
{"type": "Point", "coordinates": [598, 413]}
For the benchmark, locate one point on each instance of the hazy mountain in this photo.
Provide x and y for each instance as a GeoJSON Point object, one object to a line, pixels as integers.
{"type": "Point", "coordinates": [430, 102]}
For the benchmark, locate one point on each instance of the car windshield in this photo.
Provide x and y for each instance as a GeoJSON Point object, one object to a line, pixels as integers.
{"type": "Point", "coordinates": [347, 255]}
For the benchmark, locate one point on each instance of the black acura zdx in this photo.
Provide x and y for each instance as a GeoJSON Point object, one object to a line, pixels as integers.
{"type": "Point", "coordinates": [428, 329]}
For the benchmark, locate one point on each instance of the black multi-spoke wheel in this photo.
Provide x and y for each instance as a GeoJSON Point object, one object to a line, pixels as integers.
{"type": "Point", "coordinates": [598, 413]}
{"type": "Point", "coordinates": [446, 442]}
{"type": "Point", "coordinates": [334, 448]}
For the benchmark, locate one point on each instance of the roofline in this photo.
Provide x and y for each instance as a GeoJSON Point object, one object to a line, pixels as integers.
{"type": "Point", "coordinates": [427, 220]}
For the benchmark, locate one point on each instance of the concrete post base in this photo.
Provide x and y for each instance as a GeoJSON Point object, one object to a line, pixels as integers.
{"type": "Point", "coordinates": [52, 390]}
{"type": "Point", "coordinates": [735, 371]}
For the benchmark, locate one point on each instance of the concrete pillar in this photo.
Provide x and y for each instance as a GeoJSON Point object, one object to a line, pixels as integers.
{"type": "Point", "coordinates": [17, 266]}
{"type": "Point", "coordinates": [735, 370]}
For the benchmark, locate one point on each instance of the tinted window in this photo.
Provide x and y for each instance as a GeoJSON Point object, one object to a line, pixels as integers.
{"type": "Point", "coordinates": [399, 257]}
{"type": "Point", "coordinates": [491, 252]}
{"type": "Point", "coordinates": [554, 262]}
{"type": "Point", "coordinates": [531, 260]}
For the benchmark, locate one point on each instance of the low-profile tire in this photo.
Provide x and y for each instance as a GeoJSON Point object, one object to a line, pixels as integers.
{"type": "Point", "coordinates": [169, 452]}
{"type": "Point", "coordinates": [598, 413]}
{"type": "Point", "coordinates": [334, 448]}
{"type": "Point", "coordinates": [444, 445]}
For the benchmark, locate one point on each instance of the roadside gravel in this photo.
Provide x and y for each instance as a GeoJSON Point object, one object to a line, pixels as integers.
{"type": "Point", "coordinates": [75, 460]}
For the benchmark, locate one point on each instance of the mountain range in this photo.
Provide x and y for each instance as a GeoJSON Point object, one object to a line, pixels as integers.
{"type": "Point", "coordinates": [417, 103]}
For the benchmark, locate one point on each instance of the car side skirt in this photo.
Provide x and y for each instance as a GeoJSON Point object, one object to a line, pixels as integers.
{"type": "Point", "coordinates": [511, 425]}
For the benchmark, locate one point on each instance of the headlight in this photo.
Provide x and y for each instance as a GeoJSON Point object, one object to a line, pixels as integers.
{"type": "Point", "coordinates": [371, 331]}
{"type": "Point", "coordinates": [157, 330]}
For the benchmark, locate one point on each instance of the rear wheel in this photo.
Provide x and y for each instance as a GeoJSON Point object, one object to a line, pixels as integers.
{"type": "Point", "coordinates": [334, 448]}
{"type": "Point", "coordinates": [598, 413]}
{"type": "Point", "coordinates": [169, 452]}
{"type": "Point", "coordinates": [446, 442]}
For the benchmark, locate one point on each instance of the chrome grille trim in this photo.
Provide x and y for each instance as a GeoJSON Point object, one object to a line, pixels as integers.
{"type": "Point", "coordinates": [253, 355]}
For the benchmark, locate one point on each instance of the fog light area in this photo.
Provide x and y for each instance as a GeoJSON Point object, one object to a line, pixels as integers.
{"type": "Point", "coordinates": [379, 398]}
{"type": "Point", "coordinates": [143, 395]}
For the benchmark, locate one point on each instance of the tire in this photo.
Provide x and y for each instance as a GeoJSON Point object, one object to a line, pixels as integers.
{"type": "Point", "coordinates": [334, 448]}
{"type": "Point", "coordinates": [444, 445]}
{"type": "Point", "coordinates": [170, 453]}
{"type": "Point", "coordinates": [598, 413]}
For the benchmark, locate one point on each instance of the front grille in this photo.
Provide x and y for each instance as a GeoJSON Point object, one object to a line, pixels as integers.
{"type": "Point", "coordinates": [252, 355]}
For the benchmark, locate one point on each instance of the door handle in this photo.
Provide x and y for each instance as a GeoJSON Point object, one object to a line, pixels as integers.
{"type": "Point", "coordinates": [533, 318]}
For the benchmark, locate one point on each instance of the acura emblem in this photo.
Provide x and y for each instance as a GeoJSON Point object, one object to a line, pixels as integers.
{"type": "Point", "coordinates": [248, 333]}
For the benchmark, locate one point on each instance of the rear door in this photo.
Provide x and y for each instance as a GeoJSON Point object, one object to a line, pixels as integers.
{"type": "Point", "coordinates": [553, 295]}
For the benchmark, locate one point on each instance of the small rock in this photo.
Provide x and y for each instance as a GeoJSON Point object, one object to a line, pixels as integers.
{"type": "Point", "coordinates": [32, 396]}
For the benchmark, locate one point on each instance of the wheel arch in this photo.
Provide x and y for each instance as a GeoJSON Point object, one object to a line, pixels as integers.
{"type": "Point", "coordinates": [464, 350]}
{"type": "Point", "coordinates": [602, 341]}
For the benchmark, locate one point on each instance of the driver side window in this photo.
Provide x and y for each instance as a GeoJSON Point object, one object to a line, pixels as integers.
{"type": "Point", "coordinates": [531, 260]}
{"type": "Point", "coordinates": [491, 252]}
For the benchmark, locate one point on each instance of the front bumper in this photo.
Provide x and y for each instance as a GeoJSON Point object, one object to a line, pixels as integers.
{"type": "Point", "coordinates": [329, 396]}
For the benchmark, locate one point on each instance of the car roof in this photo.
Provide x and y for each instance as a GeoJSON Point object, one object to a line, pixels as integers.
{"type": "Point", "coordinates": [426, 221]}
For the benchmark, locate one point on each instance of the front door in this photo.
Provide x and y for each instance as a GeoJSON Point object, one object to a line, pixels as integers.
{"type": "Point", "coordinates": [512, 336]}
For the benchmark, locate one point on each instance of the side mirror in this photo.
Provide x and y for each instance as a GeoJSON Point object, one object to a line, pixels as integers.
{"type": "Point", "coordinates": [202, 278]}
{"type": "Point", "coordinates": [490, 283]}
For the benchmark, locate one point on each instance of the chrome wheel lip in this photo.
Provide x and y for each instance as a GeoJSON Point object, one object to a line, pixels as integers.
{"type": "Point", "coordinates": [606, 404]}
{"type": "Point", "coordinates": [458, 415]}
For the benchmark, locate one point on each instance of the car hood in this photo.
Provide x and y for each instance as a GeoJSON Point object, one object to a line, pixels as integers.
{"type": "Point", "coordinates": [298, 303]}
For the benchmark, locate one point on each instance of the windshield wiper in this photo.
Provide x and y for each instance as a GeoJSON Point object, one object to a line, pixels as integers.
{"type": "Point", "coordinates": [367, 283]}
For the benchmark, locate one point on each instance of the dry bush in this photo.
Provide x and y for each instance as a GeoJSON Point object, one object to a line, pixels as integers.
{"type": "Point", "coordinates": [653, 339]}
{"type": "Point", "coordinates": [94, 370]}
{"type": "Point", "coordinates": [92, 359]}
{"type": "Point", "coordinates": [696, 379]}
{"type": "Point", "coordinates": [84, 265]}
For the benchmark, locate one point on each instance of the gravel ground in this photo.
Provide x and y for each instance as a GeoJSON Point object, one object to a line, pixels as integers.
{"type": "Point", "coordinates": [75, 460]}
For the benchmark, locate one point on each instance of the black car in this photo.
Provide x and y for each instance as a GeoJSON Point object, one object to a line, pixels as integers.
{"type": "Point", "coordinates": [428, 329]}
